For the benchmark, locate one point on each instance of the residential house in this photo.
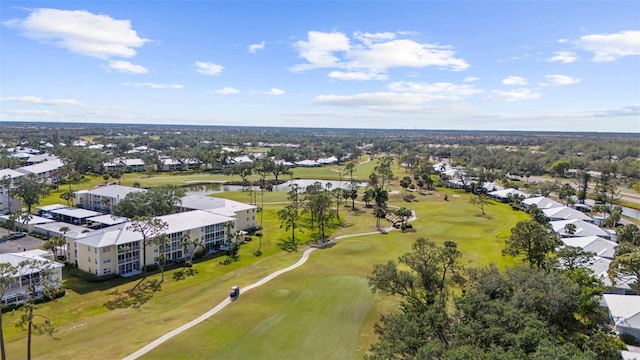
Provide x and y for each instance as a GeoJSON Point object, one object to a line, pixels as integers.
{"type": "Point", "coordinates": [541, 202]}
{"type": "Point", "coordinates": [30, 276]}
{"type": "Point", "coordinates": [624, 311]}
{"type": "Point", "coordinates": [492, 186]}
{"type": "Point", "coordinates": [506, 195]}
{"type": "Point", "coordinates": [565, 213]}
{"type": "Point", "coordinates": [582, 228]}
{"type": "Point", "coordinates": [595, 244]}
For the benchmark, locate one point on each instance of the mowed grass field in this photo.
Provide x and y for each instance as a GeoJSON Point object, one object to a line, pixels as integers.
{"type": "Point", "coordinates": [322, 310]}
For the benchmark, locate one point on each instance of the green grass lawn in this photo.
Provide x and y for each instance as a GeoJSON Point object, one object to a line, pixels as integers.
{"type": "Point", "coordinates": [300, 314]}
{"type": "Point", "coordinates": [293, 317]}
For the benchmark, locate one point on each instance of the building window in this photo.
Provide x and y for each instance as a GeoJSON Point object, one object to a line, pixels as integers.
{"type": "Point", "coordinates": [129, 258]}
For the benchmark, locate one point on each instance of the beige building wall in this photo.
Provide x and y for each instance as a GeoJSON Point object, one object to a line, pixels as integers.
{"type": "Point", "coordinates": [246, 219]}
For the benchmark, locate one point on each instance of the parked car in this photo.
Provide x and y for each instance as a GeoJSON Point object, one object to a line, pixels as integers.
{"type": "Point", "coordinates": [17, 235]}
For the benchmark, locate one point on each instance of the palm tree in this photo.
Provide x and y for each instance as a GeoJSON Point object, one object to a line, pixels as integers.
{"type": "Point", "coordinates": [189, 246]}
{"type": "Point", "coordinates": [24, 217]}
{"type": "Point", "coordinates": [63, 238]}
{"type": "Point", "coordinates": [379, 213]}
{"type": "Point", "coordinates": [404, 214]}
{"type": "Point", "coordinates": [570, 229]}
{"type": "Point", "coordinates": [68, 196]}
{"type": "Point", "coordinates": [380, 196]}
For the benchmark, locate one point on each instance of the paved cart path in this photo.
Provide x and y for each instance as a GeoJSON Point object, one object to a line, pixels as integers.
{"type": "Point", "coordinates": [152, 345]}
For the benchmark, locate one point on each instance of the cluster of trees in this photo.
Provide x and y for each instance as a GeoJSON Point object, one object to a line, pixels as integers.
{"type": "Point", "coordinates": [626, 264]}
{"type": "Point", "coordinates": [158, 201]}
{"type": "Point", "coordinates": [527, 312]}
{"type": "Point", "coordinates": [311, 209]}
{"type": "Point", "coordinates": [515, 153]}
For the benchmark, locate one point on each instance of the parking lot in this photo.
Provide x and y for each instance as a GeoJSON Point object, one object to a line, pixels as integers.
{"type": "Point", "coordinates": [17, 245]}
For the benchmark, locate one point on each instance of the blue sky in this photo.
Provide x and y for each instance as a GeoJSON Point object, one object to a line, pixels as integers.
{"type": "Point", "coordinates": [473, 65]}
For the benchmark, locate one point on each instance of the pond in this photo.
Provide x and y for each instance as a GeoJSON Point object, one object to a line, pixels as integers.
{"type": "Point", "coordinates": [213, 188]}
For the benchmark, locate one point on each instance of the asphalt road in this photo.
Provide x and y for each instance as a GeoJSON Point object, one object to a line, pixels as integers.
{"type": "Point", "coordinates": [625, 194]}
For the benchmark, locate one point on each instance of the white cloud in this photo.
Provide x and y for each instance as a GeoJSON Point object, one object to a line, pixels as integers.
{"type": "Point", "coordinates": [471, 79]}
{"type": "Point", "coordinates": [253, 48]}
{"type": "Point", "coordinates": [611, 47]}
{"type": "Point", "coordinates": [319, 49]}
{"type": "Point", "coordinates": [564, 57]}
{"type": "Point", "coordinates": [227, 91]}
{"type": "Point", "coordinates": [514, 80]}
{"type": "Point", "coordinates": [34, 100]}
{"type": "Point", "coordinates": [562, 79]}
{"type": "Point", "coordinates": [370, 38]}
{"type": "Point", "coordinates": [386, 102]}
{"type": "Point", "coordinates": [405, 96]}
{"type": "Point", "coordinates": [274, 91]}
{"type": "Point", "coordinates": [127, 67]}
{"type": "Point", "coordinates": [38, 113]}
{"type": "Point", "coordinates": [403, 52]}
{"type": "Point", "coordinates": [633, 110]}
{"type": "Point", "coordinates": [207, 68]}
{"type": "Point", "coordinates": [357, 75]}
{"type": "Point", "coordinates": [372, 53]}
{"type": "Point", "coordinates": [512, 95]}
{"type": "Point", "coordinates": [81, 32]}
{"type": "Point", "coordinates": [435, 91]}
{"type": "Point", "coordinates": [154, 85]}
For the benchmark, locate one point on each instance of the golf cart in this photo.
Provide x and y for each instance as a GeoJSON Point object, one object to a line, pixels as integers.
{"type": "Point", "coordinates": [235, 292]}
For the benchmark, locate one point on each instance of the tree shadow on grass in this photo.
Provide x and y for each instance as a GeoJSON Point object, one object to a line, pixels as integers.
{"type": "Point", "coordinates": [134, 297]}
{"type": "Point", "coordinates": [183, 273]}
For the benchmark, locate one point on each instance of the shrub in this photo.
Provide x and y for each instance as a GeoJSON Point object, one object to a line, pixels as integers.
{"type": "Point", "coordinates": [629, 339]}
{"type": "Point", "coordinates": [152, 267]}
{"type": "Point", "coordinates": [73, 271]}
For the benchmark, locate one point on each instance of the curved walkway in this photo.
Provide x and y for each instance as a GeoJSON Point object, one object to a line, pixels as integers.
{"type": "Point", "coordinates": [305, 256]}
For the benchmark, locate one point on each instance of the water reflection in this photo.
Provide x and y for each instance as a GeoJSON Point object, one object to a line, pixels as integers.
{"type": "Point", "coordinates": [213, 188]}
